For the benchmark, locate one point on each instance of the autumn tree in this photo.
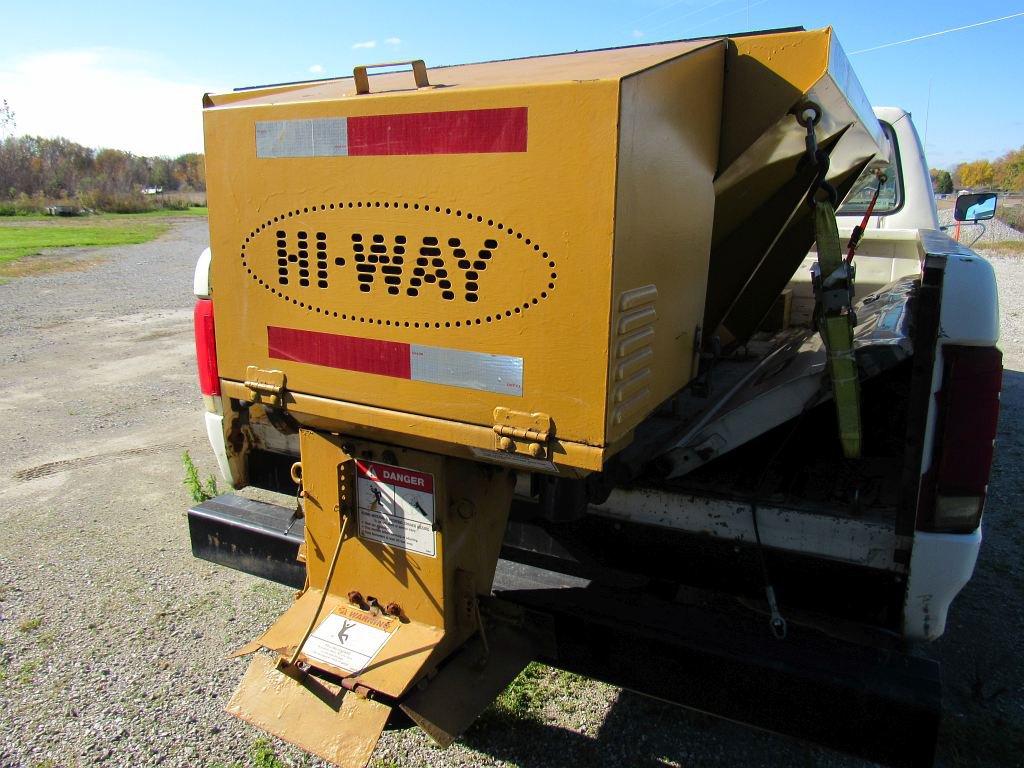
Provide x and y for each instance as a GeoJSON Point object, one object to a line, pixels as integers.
{"type": "Point", "coordinates": [975, 174]}
{"type": "Point", "coordinates": [1008, 171]}
{"type": "Point", "coordinates": [942, 182]}
{"type": "Point", "coordinates": [7, 121]}
{"type": "Point", "coordinates": [190, 171]}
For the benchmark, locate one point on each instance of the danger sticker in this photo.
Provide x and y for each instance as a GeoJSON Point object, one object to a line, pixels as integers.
{"type": "Point", "coordinates": [396, 507]}
{"type": "Point", "coordinates": [345, 643]}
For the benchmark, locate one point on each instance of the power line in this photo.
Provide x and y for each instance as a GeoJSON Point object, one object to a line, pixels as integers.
{"type": "Point", "coordinates": [724, 16]}
{"type": "Point", "coordinates": [937, 34]}
{"type": "Point", "coordinates": [656, 11]}
{"type": "Point", "coordinates": [694, 12]}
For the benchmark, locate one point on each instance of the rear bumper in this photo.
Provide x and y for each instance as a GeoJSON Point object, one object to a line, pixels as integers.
{"type": "Point", "coordinates": [874, 702]}
{"type": "Point", "coordinates": [250, 536]}
{"type": "Point", "coordinates": [940, 566]}
{"type": "Point", "coordinates": [215, 433]}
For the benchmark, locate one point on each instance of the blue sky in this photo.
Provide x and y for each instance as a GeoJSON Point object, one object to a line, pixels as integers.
{"type": "Point", "coordinates": [131, 74]}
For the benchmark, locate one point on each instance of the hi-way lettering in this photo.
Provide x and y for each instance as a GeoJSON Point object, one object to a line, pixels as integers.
{"type": "Point", "coordinates": [382, 264]}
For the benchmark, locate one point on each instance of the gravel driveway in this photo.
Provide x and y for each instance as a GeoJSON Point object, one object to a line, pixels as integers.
{"type": "Point", "coordinates": [114, 639]}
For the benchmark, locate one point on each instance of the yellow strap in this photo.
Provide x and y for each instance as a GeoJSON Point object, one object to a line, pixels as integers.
{"type": "Point", "coordinates": [837, 332]}
{"type": "Point", "coordinates": [826, 233]}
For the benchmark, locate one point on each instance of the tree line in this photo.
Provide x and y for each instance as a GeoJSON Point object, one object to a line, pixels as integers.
{"type": "Point", "coordinates": [1005, 173]}
{"type": "Point", "coordinates": [59, 168]}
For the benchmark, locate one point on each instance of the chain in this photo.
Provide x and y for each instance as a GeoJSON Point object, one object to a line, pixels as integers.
{"type": "Point", "coordinates": [808, 116]}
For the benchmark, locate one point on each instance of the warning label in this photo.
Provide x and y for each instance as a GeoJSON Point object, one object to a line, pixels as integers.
{"type": "Point", "coordinates": [396, 507]}
{"type": "Point", "coordinates": [345, 642]}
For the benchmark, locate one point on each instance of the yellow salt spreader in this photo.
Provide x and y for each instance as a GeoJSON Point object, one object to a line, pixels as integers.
{"type": "Point", "coordinates": [432, 291]}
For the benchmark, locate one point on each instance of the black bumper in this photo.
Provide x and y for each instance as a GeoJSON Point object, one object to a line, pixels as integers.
{"type": "Point", "coordinates": [250, 536]}
{"type": "Point", "coordinates": [877, 703]}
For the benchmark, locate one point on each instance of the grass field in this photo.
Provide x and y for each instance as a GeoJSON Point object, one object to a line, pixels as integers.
{"type": "Point", "coordinates": [159, 213]}
{"type": "Point", "coordinates": [22, 236]}
{"type": "Point", "coordinates": [16, 242]}
{"type": "Point", "coordinates": [1002, 247]}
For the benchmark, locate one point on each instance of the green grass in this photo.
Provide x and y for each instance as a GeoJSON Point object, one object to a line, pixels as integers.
{"type": "Point", "coordinates": [30, 625]}
{"type": "Point", "coordinates": [525, 696]}
{"type": "Point", "coordinates": [47, 640]}
{"type": "Point", "coordinates": [27, 672]}
{"type": "Point", "coordinates": [19, 241]}
{"type": "Point", "coordinates": [195, 210]}
{"type": "Point", "coordinates": [158, 213]}
{"type": "Point", "coordinates": [264, 756]}
{"type": "Point", "coordinates": [22, 236]}
{"type": "Point", "coordinates": [1007, 247]}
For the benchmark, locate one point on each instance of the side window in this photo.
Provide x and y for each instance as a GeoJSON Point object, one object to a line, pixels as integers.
{"type": "Point", "coordinates": [891, 196]}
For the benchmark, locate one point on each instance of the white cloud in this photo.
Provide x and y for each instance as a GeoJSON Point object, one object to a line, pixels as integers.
{"type": "Point", "coordinates": [636, 33]}
{"type": "Point", "coordinates": [104, 97]}
{"type": "Point", "coordinates": [317, 69]}
{"type": "Point", "coordinates": [393, 40]}
{"type": "Point", "coordinates": [366, 44]}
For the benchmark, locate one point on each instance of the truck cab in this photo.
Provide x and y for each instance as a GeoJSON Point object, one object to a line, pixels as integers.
{"type": "Point", "coordinates": [905, 207]}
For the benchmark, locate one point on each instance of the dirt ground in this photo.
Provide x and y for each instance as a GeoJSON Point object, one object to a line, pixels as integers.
{"type": "Point", "coordinates": [113, 639]}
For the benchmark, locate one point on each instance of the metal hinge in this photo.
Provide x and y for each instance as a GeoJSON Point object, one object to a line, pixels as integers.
{"type": "Point", "coordinates": [518, 432]}
{"type": "Point", "coordinates": [263, 383]}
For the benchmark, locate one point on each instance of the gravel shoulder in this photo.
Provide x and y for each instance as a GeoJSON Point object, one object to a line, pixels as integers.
{"type": "Point", "coordinates": [114, 640]}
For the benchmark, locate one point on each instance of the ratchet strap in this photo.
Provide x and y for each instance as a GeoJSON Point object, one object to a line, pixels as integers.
{"type": "Point", "coordinates": [833, 290]}
{"type": "Point", "coordinates": [833, 280]}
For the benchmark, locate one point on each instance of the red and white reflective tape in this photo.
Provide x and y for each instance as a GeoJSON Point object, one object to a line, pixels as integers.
{"type": "Point", "coordinates": [502, 374]}
{"type": "Point", "coordinates": [463, 131]}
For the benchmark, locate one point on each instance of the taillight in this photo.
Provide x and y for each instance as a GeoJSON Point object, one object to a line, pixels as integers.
{"type": "Point", "coordinates": [206, 348]}
{"type": "Point", "coordinates": [966, 429]}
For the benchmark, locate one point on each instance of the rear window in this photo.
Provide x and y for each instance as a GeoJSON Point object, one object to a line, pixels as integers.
{"type": "Point", "coordinates": [891, 196]}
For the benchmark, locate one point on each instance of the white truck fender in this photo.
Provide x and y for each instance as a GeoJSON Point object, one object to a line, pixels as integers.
{"type": "Point", "coordinates": [201, 278]}
{"type": "Point", "coordinates": [940, 565]}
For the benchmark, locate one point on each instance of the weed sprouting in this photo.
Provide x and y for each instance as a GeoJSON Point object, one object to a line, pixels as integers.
{"type": "Point", "coordinates": [264, 756]}
{"type": "Point", "coordinates": [525, 696]}
{"type": "Point", "coordinates": [197, 489]}
{"type": "Point", "coordinates": [27, 672]}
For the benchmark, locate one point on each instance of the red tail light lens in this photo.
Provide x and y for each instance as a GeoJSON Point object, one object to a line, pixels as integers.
{"type": "Point", "coordinates": [968, 417]}
{"type": "Point", "coordinates": [206, 348]}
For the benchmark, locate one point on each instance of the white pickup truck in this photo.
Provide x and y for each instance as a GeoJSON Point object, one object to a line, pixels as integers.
{"type": "Point", "coordinates": [927, 540]}
{"type": "Point", "coordinates": [775, 582]}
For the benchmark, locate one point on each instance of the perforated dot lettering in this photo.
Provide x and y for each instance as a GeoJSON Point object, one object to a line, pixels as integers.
{"type": "Point", "coordinates": [311, 259]}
